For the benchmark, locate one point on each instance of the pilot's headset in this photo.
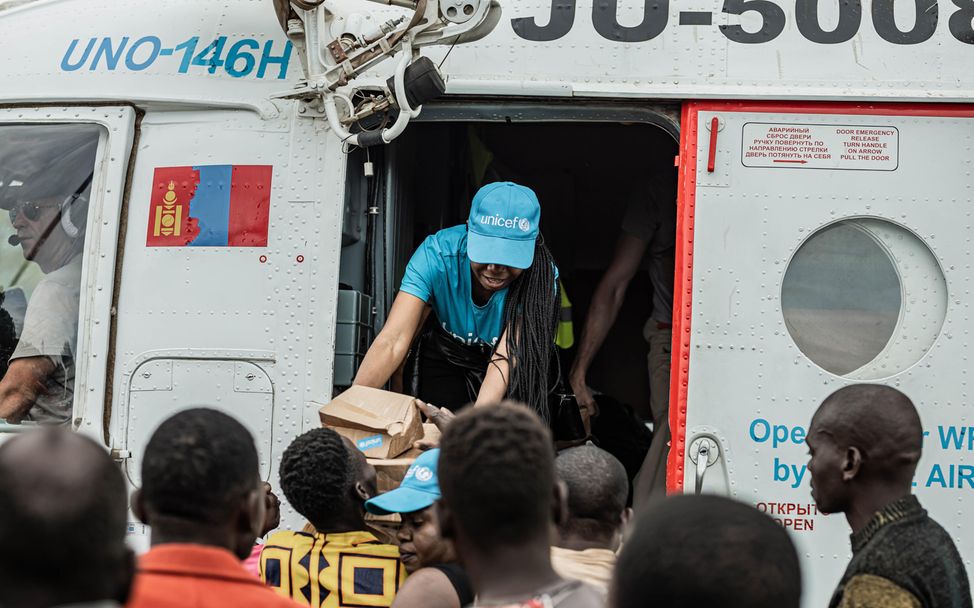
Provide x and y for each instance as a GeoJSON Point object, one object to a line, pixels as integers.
{"type": "Point", "coordinates": [74, 209]}
{"type": "Point", "coordinates": [78, 166]}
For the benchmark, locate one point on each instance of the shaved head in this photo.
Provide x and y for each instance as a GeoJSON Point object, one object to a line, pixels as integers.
{"type": "Point", "coordinates": [879, 420]}
{"type": "Point", "coordinates": [597, 491]}
{"type": "Point", "coordinates": [63, 511]}
{"type": "Point", "coordinates": [865, 441]}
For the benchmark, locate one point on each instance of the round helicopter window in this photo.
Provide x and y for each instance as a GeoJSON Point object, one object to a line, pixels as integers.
{"type": "Point", "coordinates": [864, 298]}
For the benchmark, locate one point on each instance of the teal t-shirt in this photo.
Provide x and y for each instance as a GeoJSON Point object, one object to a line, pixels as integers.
{"type": "Point", "coordinates": [439, 274]}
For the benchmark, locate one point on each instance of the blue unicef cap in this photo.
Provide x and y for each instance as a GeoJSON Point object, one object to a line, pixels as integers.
{"type": "Point", "coordinates": [419, 489]}
{"type": "Point", "coordinates": [503, 225]}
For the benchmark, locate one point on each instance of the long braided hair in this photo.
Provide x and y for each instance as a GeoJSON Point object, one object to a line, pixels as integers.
{"type": "Point", "coordinates": [531, 318]}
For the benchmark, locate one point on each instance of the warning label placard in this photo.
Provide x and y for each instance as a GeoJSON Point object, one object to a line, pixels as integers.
{"type": "Point", "coordinates": [795, 146]}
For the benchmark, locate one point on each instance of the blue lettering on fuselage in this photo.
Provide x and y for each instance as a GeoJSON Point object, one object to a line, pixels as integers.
{"type": "Point", "coordinates": [238, 59]}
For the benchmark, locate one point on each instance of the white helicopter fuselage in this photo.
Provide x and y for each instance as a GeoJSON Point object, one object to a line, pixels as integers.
{"type": "Point", "coordinates": [802, 128]}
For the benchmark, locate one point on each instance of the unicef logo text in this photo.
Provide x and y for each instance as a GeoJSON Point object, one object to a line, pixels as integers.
{"type": "Point", "coordinates": [521, 223]}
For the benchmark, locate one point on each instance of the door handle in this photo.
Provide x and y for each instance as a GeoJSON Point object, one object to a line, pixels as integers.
{"type": "Point", "coordinates": [703, 455]}
{"type": "Point", "coordinates": [704, 452]}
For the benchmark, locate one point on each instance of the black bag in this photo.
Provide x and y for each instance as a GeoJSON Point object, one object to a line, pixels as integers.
{"type": "Point", "coordinates": [566, 420]}
{"type": "Point", "coordinates": [618, 430]}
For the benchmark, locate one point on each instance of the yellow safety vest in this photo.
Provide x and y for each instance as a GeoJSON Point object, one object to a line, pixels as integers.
{"type": "Point", "coordinates": [565, 333]}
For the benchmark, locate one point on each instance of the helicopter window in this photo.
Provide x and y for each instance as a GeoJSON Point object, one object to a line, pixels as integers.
{"type": "Point", "coordinates": [46, 174]}
{"type": "Point", "coordinates": [864, 298]}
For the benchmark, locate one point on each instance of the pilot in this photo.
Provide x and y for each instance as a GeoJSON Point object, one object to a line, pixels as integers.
{"type": "Point", "coordinates": [648, 228]}
{"type": "Point", "coordinates": [48, 210]}
{"type": "Point", "coordinates": [491, 287]}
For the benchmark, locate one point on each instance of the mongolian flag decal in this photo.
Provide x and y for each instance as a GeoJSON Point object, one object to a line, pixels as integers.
{"type": "Point", "coordinates": [210, 206]}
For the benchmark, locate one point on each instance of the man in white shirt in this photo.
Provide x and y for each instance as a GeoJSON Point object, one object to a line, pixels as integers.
{"type": "Point", "coordinates": [49, 213]}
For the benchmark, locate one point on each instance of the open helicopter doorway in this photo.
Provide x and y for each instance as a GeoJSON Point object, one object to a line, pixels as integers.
{"type": "Point", "coordinates": [585, 173]}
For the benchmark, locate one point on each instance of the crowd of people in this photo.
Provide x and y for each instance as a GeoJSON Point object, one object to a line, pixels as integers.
{"type": "Point", "coordinates": [493, 517]}
{"type": "Point", "coordinates": [503, 513]}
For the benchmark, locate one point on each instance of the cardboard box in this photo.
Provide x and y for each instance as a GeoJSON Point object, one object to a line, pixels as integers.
{"type": "Point", "coordinates": [431, 433]}
{"type": "Point", "coordinates": [390, 472]}
{"type": "Point", "coordinates": [380, 423]}
{"type": "Point", "coordinates": [385, 527]}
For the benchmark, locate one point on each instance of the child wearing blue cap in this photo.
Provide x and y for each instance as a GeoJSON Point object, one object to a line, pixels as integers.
{"type": "Point", "coordinates": [435, 580]}
{"type": "Point", "coordinates": [491, 285]}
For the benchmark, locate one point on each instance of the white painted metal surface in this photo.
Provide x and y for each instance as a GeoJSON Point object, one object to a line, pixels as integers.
{"type": "Point", "coordinates": [746, 49]}
{"type": "Point", "coordinates": [750, 384]}
{"type": "Point", "coordinates": [590, 48]}
{"type": "Point", "coordinates": [269, 310]}
{"type": "Point", "coordinates": [143, 52]}
{"type": "Point", "coordinates": [166, 382]}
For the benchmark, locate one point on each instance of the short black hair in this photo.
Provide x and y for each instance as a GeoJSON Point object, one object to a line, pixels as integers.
{"type": "Point", "coordinates": [197, 466]}
{"type": "Point", "coordinates": [63, 517]}
{"type": "Point", "coordinates": [879, 420]}
{"type": "Point", "coordinates": [317, 475]}
{"type": "Point", "coordinates": [597, 490]}
{"type": "Point", "coordinates": [497, 475]}
{"type": "Point", "coordinates": [691, 551]}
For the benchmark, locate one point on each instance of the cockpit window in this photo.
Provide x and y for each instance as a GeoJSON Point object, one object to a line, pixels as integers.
{"type": "Point", "coordinates": [46, 175]}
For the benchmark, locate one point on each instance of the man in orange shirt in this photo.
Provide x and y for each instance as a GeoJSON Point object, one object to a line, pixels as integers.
{"type": "Point", "coordinates": [202, 495]}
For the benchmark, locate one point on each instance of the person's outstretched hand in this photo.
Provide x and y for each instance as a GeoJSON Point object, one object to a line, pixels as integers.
{"type": "Point", "coordinates": [440, 416]}
{"type": "Point", "coordinates": [587, 406]}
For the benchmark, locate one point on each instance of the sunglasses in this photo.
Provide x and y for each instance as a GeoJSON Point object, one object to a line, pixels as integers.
{"type": "Point", "coordinates": [31, 210]}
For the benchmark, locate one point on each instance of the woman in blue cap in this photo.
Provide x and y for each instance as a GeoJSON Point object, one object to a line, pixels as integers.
{"type": "Point", "coordinates": [436, 579]}
{"type": "Point", "coordinates": [491, 285]}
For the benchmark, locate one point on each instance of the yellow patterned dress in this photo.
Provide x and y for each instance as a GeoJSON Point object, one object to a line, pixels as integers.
{"type": "Point", "coordinates": [347, 569]}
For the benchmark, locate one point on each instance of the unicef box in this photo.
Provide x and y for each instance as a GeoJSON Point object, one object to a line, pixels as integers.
{"type": "Point", "coordinates": [380, 423]}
